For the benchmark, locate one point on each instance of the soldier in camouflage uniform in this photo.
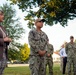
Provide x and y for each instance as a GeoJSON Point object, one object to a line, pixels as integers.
{"type": "Point", "coordinates": [71, 56]}
{"type": "Point", "coordinates": [49, 59]}
{"type": "Point", "coordinates": [38, 48]}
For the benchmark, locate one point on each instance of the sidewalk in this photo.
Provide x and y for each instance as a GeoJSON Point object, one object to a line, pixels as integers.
{"type": "Point", "coordinates": [17, 65]}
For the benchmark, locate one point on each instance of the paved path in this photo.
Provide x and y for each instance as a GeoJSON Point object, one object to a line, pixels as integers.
{"type": "Point", "coordinates": [17, 65]}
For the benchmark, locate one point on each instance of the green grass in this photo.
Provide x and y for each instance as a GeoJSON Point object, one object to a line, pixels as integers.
{"type": "Point", "coordinates": [17, 71]}
{"type": "Point", "coordinates": [26, 70]}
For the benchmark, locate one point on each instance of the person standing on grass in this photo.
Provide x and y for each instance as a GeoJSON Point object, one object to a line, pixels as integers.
{"type": "Point", "coordinates": [38, 48]}
{"type": "Point", "coordinates": [71, 56]}
{"type": "Point", "coordinates": [4, 42]}
{"type": "Point", "coordinates": [49, 59]}
{"type": "Point", "coordinates": [63, 59]}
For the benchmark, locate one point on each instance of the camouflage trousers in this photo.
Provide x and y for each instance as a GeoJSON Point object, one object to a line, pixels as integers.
{"type": "Point", "coordinates": [37, 65]}
{"type": "Point", "coordinates": [71, 66]}
{"type": "Point", "coordinates": [3, 64]}
{"type": "Point", "coordinates": [49, 63]}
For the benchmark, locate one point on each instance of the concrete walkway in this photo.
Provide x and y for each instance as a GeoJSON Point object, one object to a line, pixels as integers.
{"type": "Point", "coordinates": [17, 65]}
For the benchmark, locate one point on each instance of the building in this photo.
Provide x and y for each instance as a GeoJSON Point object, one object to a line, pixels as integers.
{"type": "Point", "coordinates": [56, 57]}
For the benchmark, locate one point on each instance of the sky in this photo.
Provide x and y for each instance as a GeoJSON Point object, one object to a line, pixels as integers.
{"type": "Point", "coordinates": [56, 33]}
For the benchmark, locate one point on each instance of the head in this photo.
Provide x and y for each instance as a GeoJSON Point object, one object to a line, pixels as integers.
{"type": "Point", "coordinates": [62, 46]}
{"type": "Point", "coordinates": [1, 16]}
{"type": "Point", "coordinates": [71, 38]}
{"type": "Point", "coordinates": [39, 23]}
{"type": "Point", "coordinates": [65, 43]}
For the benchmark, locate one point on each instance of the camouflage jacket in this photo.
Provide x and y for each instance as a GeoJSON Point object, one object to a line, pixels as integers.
{"type": "Point", "coordinates": [37, 41]}
{"type": "Point", "coordinates": [70, 49]}
{"type": "Point", "coordinates": [50, 50]}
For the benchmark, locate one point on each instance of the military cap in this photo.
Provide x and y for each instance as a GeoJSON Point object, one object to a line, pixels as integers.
{"type": "Point", "coordinates": [71, 37]}
{"type": "Point", "coordinates": [38, 20]}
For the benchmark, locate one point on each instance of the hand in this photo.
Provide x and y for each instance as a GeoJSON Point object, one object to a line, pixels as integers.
{"type": "Point", "coordinates": [41, 53]}
{"type": "Point", "coordinates": [44, 52]}
{"type": "Point", "coordinates": [48, 55]}
{"type": "Point", "coordinates": [63, 57]}
{"type": "Point", "coordinates": [6, 39]}
{"type": "Point", "coordinates": [9, 39]}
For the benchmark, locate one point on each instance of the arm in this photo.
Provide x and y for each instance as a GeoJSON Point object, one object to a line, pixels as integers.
{"type": "Point", "coordinates": [52, 50]}
{"type": "Point", "coordinates": [1, 41]}
{"type": "Point", "coordinates": [61, 53]}
{"type": "Point", "coordinates": [46, 47]}
{"type": "Point", "coordinates": [33, 42]}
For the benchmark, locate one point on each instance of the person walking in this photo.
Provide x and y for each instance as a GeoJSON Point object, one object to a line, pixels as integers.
{"type": "Point", "coordinates": [71, 56]}
{"type": "Point", "coordinates": [38, 48]}
{"type": "Point", "coordinates": [63, 58]}
{"type": "Point", "coordinates": [4, 42]}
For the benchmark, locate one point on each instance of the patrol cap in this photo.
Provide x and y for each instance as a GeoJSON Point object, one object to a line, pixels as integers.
{"type": "Point", "coordinates": [38, 20]}
{"type": "Point", "coordinates": [71, 37]}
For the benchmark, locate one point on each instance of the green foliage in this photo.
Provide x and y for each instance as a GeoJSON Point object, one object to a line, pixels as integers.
{"type": "Point", "coordinates": [13, 54]}
{"type": "Point", "coordinates": [24, 52]}
{"type": "Point", "coordinates": [11, 22]}
{"type": "Point", "coordinates": [54, 11]}
{"type": "Point", "coordinates": [13, 28]}
{"type": "Point", "coordinates": [14, 51]}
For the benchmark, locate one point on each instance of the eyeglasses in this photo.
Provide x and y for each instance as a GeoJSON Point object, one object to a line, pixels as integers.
{"type": "Point", "coordinates": [1, 14]}
{"type": "Point", "coordinates": [40, 21]}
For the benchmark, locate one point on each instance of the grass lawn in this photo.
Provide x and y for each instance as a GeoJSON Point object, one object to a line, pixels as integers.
{"type": "Point", "coordinates": [17, 71]}
{"type": "Point", "coordinates": [26, 71]}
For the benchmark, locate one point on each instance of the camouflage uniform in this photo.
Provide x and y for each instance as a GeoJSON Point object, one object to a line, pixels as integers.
{"type": "Point", "coordinates": [71, 57]}
{"type": "Point", "coordinates": [37, 41]}
{"type": "Point", "coordinates": [49, 60]}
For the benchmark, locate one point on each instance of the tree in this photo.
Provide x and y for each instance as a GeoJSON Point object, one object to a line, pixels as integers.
{"type": "Point", "coordinates": [14, 51]}
{"type": "Point", "coordinates": [24, 52]}
{"type": "Point", "coordinates": [13, 28]}
{"type": "Point", "coordinates": [54, 11]}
